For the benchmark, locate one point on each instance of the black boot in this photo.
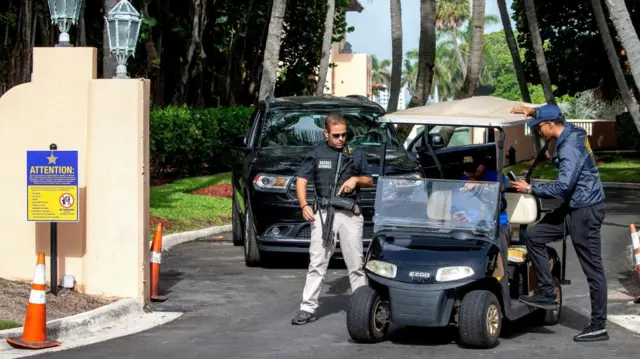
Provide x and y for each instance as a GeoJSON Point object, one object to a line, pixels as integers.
{"type": "Point", "coordinates": [540, 301]}
{"type": "Point", "coordinates": [592, 333]}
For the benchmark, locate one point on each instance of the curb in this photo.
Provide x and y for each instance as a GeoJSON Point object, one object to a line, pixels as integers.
{"type": "Point", "coordinates": [84, 322]}
{"type": "Point", "coordinates": [174, 239]}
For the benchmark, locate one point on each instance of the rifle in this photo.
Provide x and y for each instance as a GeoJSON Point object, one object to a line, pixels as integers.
{"type": "Point", "coordinates": [334, 202]}
{"type": "Point", "coordinates": [328, 235]}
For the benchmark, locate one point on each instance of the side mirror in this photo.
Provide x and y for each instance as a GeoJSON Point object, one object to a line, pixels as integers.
{"type": "Point", "coordinates": [436, 141]}
{"type": "Point", "coordinates": [239, 141]}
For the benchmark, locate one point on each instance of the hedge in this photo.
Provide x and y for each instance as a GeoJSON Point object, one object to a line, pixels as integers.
{"type": "Point", "coordinates": [188, 142]}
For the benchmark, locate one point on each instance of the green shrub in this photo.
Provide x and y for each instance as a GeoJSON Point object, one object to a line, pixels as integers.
{"type": "Point", "coordinates": [192, 142]}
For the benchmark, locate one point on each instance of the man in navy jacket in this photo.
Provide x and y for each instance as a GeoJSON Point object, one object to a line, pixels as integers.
{"type": "Point", "coordinates": [581, 213]}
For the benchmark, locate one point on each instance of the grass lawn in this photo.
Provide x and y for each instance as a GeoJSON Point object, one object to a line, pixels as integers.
{"type": "Point", "coordinates": [7, 324]}
{"type": "Point", "coordinates": [613, 168]}
{"type": "Point", "coordinates": [185, 211]}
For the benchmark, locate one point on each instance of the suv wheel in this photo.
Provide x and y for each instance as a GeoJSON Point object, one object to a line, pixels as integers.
{"type": "Point", "coordinates": [251, 251]}
{"type": "Point", "coordinates": [236, 222]}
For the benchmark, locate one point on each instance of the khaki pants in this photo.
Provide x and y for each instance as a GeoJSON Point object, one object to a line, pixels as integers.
{"type": "Point", "coordinates": [349, 228]}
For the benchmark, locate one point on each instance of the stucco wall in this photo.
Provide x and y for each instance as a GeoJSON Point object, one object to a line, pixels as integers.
{"type": "Point", "coordinates": [106, 120]}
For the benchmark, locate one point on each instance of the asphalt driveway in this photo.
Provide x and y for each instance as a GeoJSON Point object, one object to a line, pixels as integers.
{"type": "Point", "coordinates": [237, 312]}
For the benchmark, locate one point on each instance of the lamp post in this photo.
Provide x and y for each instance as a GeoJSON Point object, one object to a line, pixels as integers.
{"type": "Point", "coordinates": [123, 28]}
{"type": "Point", "coordinates": [64, 13]}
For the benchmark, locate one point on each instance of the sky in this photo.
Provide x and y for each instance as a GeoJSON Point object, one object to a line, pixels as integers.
{"type": "Point", "coordinates": [372, 33]}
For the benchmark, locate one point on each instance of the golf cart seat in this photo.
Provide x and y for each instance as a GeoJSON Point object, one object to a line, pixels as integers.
{"type": "Point", "coordinates": [439, 205]}
{"type": "Point", "coordinates": [522, 209]}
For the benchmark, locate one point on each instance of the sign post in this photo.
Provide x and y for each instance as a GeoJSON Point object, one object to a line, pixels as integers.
{"type": "Point", "coordinates": [52, 194]}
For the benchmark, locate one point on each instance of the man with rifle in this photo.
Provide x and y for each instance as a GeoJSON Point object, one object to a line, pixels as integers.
{"type": "Point", "coordinates": [337, 170]}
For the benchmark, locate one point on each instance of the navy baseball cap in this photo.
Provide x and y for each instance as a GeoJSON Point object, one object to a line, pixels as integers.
{"type": "Point", "coordinates": [548, 112]}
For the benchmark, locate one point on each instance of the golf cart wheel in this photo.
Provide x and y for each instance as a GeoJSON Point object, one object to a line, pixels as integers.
{"type": "Point", "coordinates": [368, 316]}
{"type": "Point", "coordinates": [251, 251]}
{"type": "Point", "coordinates": [480, 319]}
{"type": "Point", "coordinates": [549, 316]}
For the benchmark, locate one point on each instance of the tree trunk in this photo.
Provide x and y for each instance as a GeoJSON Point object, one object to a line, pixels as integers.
{"type": "Point", "coordinates": [634, 110]}
{"type": "Point", "coordinates": [109, 62]}
{"type": "Point", "coordinates": [427, 53]}
{"type": "Point", "coordinates": [628, 37]}
{"type": "Point", "coordinates": [272, 50]}
{"type": "Point", "coordinates": [530, 11]}
{"type": "Point", "coordinates": [197, 27]}
{"type": "Point", "coordinates": [476, 49]}
{"type": "Point", "coordinates": [426, 60]}
{"type": "Point", "coordinates": [81, 40]}
{"type": "Point", "coordinates": [326, 47]}
{"type": "Point", "coordinates": [513, 49]}
{"type": "Point", "coordinates": [396, 55]}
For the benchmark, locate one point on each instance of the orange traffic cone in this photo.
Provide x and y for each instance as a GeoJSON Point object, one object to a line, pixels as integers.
{"type": "Point", "coordinates": [156, 259]}
{"type": "Point", "coordinates": [34, 335]}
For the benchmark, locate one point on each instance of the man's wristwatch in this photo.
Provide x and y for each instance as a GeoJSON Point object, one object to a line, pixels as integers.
{"type": "Point", "coordinates": [528, 189]}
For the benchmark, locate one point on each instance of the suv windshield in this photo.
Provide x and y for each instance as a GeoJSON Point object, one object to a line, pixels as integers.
{"type": "Point", "coordinates": [430, 205]}
{"type": "Point", "coordinates": [305, 128]}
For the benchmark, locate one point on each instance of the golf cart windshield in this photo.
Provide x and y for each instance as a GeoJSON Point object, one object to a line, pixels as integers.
{"type": "Point", "coordinates": [437, 206]}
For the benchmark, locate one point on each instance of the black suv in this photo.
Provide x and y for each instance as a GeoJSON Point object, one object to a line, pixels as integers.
{"type": "Point", "coordinates": [266, 212]}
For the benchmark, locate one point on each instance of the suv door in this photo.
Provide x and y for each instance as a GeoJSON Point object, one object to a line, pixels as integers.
{"type": "Point", "coordinates": [242, 153]}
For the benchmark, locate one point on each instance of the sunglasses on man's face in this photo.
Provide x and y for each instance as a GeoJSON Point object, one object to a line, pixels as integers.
{"type": "Point", "coordinates": [338, 135]}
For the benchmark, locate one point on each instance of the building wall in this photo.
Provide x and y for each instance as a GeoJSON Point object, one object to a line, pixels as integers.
{"type": "Point", "coordinates": [351, 75]}
{"type": "Point", "coordinates": [107, 121]}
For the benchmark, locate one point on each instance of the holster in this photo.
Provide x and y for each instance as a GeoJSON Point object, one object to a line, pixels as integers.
{"type": "Point", "coordinates": [343, 203]}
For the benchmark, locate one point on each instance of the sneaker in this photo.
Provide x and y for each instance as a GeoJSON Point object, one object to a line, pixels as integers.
{"type": "Point", "coordinates": [540, 301]}
{"type": "Point", "coordinates": [303, 317]}
{"type": "Point", "coordinates": [592, 333]}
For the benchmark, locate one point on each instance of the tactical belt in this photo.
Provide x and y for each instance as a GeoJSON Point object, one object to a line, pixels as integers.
{"type": "Point", "coordinates": [343, 203]}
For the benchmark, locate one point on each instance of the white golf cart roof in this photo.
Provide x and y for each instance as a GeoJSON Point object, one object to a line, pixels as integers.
{"type": "Point", "coordinates": [480, 111]}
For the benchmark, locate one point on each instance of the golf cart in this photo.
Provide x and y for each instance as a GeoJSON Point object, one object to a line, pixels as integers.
{"type": "Point", "coordinates": [436, 259]}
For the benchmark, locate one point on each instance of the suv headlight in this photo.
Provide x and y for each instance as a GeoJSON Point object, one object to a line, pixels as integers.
{"type": "Point", "coordinates": [448, 274]}
{"type": "Point", "coordinates": [271, 183]}
{"type": "Point", "coordinates": [382, 269]}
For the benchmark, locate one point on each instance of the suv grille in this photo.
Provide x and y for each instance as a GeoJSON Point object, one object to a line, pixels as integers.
{"type": "Point", "coordinates": [305, 232]}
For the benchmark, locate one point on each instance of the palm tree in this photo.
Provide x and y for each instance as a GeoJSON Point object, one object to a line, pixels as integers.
{"type": "Point", "coordinates": [476, 47]}
{"type": "Point", "coordinates": [628, 36]}
{"type": "Point", "coordinates": [532, 19]}
{"type": "Point", "coordinates": [530, 10]}
{"type": "Point", "coordinates": [447, 77]}
{"type": "Point", "coordinates": [427, 54]}
{"type": "Point", "coordinates": [410, 72]}
{"type": "Point", "coordinates": [272, 49]}
{"type": "Point", "coordinates": [450, 15]}
{"type": "Point", "coordinates": [396, 55]}
{"type": "Point", "coordinates": [628, 100]}
{"type": "Point", "coordinates": [326, 47]}
{"type": "Point", "coordinates": [380, 72]}
{"type": "Point", "coordinates": [108, 62]}
{"type": "Point", "coordinates": [513, 49]}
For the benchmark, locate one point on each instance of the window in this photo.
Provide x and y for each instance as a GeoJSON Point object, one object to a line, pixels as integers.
{"type": "Point", "coordinates": [462, 136]}
{"type": "Point", "coordinates": [305, 128]}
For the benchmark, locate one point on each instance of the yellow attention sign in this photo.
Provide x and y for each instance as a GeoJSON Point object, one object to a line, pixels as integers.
{"type": "Point", "coordinates": [52, 186]}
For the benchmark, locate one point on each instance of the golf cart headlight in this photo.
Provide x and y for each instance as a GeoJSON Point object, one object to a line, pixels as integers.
{"type": "Point", "coordinates": [382, 269]}
{"type": "Point", "coordinates": [271, 183]}
{"type": "Point", "coordinates": [448, 274]}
